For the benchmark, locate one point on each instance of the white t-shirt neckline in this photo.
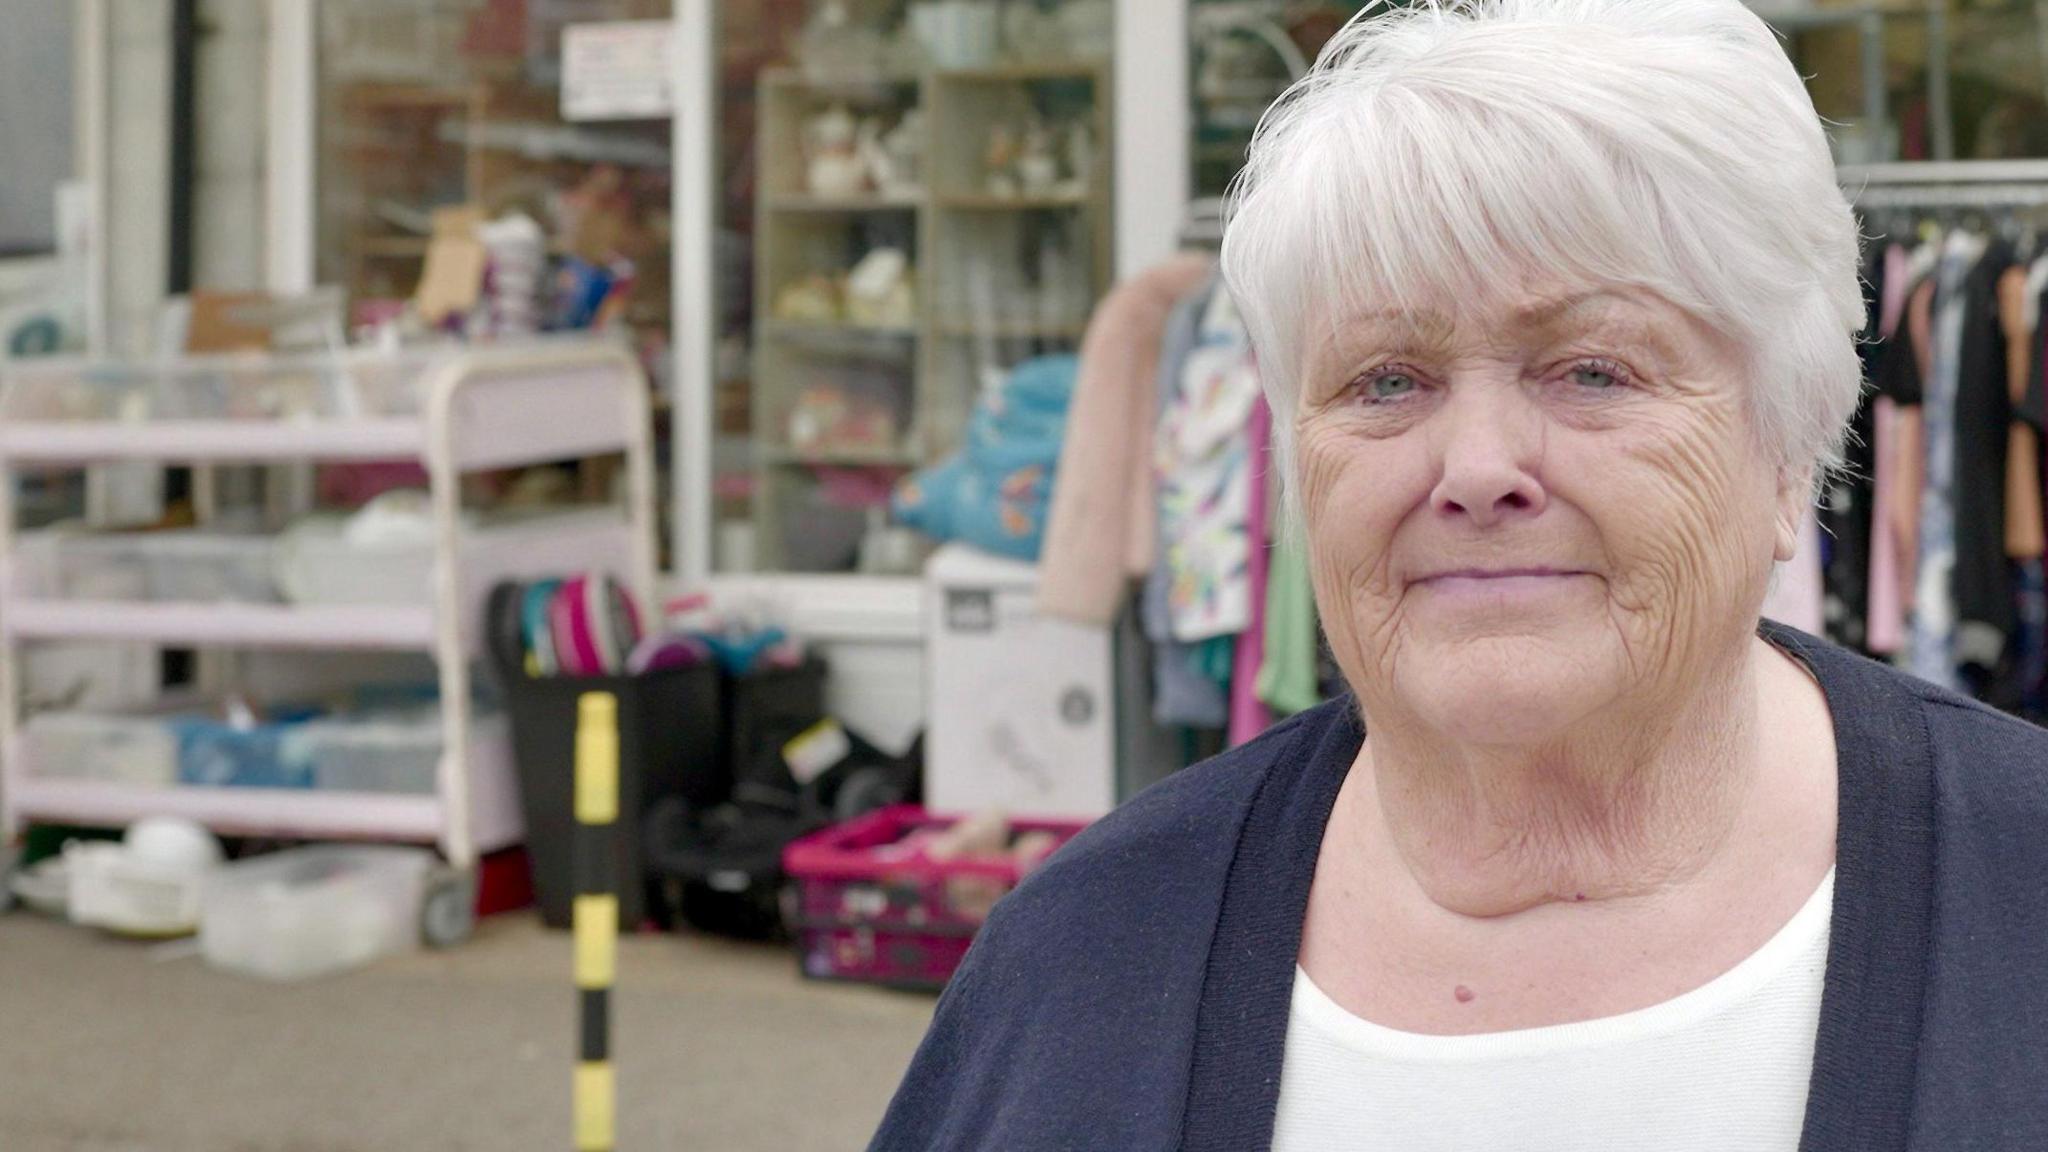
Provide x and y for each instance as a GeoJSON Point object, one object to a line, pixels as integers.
{"type": "Point", "coordinates": [1312, 1007]}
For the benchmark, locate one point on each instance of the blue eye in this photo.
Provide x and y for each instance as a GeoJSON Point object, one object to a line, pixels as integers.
{"type": "Point", "coordinates": [1597, 377]}
{"type": "Point", "coordinates": [1389, 386]}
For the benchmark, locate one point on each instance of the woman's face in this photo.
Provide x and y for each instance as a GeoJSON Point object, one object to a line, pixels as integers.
{"type": "Point", "coordinates": [1524, 514]}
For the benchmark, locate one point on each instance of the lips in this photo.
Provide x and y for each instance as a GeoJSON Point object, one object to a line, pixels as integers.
{"type": "Point", "coordinates": [1530, 573]}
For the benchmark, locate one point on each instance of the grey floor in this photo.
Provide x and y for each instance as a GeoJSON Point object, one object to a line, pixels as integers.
{"type": "Point", "coordinates": [109, 1046]}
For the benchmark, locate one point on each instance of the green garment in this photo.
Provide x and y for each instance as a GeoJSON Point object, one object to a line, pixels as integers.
{"type": "Point", "coordinates": [1287, 680]}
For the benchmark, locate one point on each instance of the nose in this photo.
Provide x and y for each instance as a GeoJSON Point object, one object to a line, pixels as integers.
{"type": "Point", "coordinates": [1490, 446]}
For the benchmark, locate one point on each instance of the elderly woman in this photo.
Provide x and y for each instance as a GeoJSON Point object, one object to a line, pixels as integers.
{"type": "Point", "coordinates": [1556, 302]}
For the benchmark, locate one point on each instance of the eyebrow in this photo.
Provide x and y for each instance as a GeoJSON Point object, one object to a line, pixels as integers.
{"type": "Point", "coordinates": [1423, 330]}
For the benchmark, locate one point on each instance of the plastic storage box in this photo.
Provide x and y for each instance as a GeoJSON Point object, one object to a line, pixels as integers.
{"type": "Point", "coordinates": [868, 910]}
{"type": "Point", "coordinates": [87, 746]}
{"type": "Point", "coordinates": [195, 567]}
{"type": "Point", "coordinates": [312, 911]}
{"type": "Point", "coordinates": [223, 756]}
{"type": "Point", "coordinates": [400, 754]}
{"type": "Point", "coordinates": [317, 564]}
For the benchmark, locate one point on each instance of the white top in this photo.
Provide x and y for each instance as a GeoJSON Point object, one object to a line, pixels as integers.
{"type": "Point", "coordinates": [1722, 1067]}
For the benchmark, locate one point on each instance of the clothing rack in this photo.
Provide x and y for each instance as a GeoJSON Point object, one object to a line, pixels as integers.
{"type": "Point", "coordinates": [1202, 226]}
{"type": "Point", "coordinates": [1970, 184]}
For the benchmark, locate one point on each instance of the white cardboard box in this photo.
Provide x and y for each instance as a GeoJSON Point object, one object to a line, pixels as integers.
{"type": "Point", "coordinates": [1021, 705]}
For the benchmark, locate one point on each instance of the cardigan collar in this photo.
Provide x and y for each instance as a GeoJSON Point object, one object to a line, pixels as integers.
{"type": "Point", "coordinates": [1881, 928]}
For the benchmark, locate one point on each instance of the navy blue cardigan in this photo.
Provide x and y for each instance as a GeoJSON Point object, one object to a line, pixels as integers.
{"type": "Point", "coordinates": [1134, 994]}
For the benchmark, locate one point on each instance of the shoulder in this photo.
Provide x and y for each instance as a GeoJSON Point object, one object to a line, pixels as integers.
{"type": "Point", "coordinates": [1072, 1020]}
{"type": "Point", "coordinates": [1990, 777]}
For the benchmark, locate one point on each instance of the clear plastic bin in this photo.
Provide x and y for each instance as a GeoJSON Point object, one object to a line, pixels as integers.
{"type": "Point", "coordinates": [316, 564]}
{"type": "Point", "coordinates": [87, 746]}
{"type": "Point", "coordinates": [389, 755]}
{"type": "Point", "coordinates": [352, 385]}
{"type": "Point", "coordinates": [309, 912]}
{"type": "Point", "coordinates": [191, 567]}
{"type": "Point", "coordinates": [203, 567]}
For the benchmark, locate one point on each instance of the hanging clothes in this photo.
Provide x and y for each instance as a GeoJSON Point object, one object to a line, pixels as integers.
{"type": "Point", "coordinates": [1287, 682]}
{"type": "Point", "coordinates": [1986, 612]}
{"type": "Point", "coordinates": [1934, 606]}
{"type": "Point", "coordinates": [1248, 714]}
{"type": "Point", "coordinates": [1103, 504]}
{"type": "Point", "coordinates": [1848, 494]}
{"type": "Point", "coordinates": [1891, 358]}
{"type": "Point", "coordinates": [1184, 695]}
{"type": "Point", "coordinates": [1203, 463]}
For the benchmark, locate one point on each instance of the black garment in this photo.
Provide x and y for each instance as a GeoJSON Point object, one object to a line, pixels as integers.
{"type": "Point", "coordinates": [1134, 993]}
{"type": "Point", "coordinates": [1849, 496]}
{"type": "Point", "coordinates": [1895, 365]}
{"type": "Point", "coordinates": [1986, 611]}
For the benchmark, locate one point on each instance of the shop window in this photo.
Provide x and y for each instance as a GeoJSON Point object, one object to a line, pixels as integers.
{"type": "Point", "coordinates": [913, 201]}
{"type": "Point", "coordinates": [1897, 80]}
{"type": "Point", "coordinates": [428, 105]}
{"type": "Point", "coordinates": [1913, 80]}
{"type": "Point", "coordinates": [1242, 55]}
{"type": "Point", "coordinates": [36, 124]}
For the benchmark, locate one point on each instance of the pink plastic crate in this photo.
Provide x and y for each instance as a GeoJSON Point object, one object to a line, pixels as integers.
{"type": "Point", "coordinates": [873, 910]}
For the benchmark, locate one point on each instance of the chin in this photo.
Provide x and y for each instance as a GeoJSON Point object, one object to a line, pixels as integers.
{"type": "Point", "coordinates": [1504, 691]}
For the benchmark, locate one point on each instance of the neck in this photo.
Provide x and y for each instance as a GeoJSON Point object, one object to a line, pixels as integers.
{"type": "Point", "coordinates": [1618, 807]}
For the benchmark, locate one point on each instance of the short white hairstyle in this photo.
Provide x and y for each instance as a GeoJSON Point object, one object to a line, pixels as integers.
{"type": "Point", "coordinates": [1440, 151]}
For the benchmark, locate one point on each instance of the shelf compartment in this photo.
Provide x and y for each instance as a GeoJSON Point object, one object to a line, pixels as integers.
{"type": "Point", "coordinates": [289, 813]}
{"type": "Point", "coordinates": [251, 441]}
{"type": "Point", "coordinates": [847, 85]}
{"type": "Point", "coordinates": [1022, 72]}
{"type": "Point", "coordinates": [365, 628]}
{"type": "Point", "coordinates": [538, 401]}
{"type": "Point", "coordinates": [848, 205]}
{"type": "Point", "coordinates": [273, 812]}
{"type": "Point", "coordinates": [990, 202]}
{"type": "Point", "coordinates": [1015, 330]}
{"type": "Point", "coordinates": [847, 339]}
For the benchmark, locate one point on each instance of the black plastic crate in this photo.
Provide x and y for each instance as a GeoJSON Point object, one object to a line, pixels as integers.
{"type": "Point", "coordinates": [671, 743]}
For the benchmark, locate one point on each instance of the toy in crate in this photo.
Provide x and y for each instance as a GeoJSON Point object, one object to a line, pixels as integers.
{"type": "Point", "coordinates": [896, 896]}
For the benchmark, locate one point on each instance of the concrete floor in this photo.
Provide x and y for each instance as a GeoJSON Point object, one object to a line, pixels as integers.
{"type": "Point", "coordinates": [107, 1046]}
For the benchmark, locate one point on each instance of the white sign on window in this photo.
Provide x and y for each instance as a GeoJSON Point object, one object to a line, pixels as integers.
{"type": "Point", "coordinates": [617, 70]}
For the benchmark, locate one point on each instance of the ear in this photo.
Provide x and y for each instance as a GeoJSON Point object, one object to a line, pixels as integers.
{"type": "Point", "coordinates": [1795, 498]}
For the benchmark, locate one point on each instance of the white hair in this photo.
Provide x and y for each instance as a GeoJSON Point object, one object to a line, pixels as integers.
{"type": "Point", "coordinates": [1437, 152]}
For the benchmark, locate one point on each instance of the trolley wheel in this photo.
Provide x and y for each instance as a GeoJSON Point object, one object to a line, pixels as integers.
{"type": "Point", "coordinates": [448, 911]}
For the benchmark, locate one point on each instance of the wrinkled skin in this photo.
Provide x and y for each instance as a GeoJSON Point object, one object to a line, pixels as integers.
{"type": "Point", "coordinates": [1540, 534]}
{"type": "Point", "coordinates": [1604, 438]}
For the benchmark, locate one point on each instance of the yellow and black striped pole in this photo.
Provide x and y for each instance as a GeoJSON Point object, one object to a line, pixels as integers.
{"type": "Point", "coordinates": [596, 916]}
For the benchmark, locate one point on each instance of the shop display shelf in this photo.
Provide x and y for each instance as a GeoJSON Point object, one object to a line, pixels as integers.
{"type": "Point", "coordinates": [360, 627]}
{"type": "Point", "coordinates": [493, 408]}
{"type": "Point", "coordinates": [1015, 330]}
{"type": "Point", "coordinates": [1023, 71]}
{"type": "Point", "coordinates": [232, 811]}
{"type": "Point", "coordinates": [451, 410]}
{"type": "Point", "coordinates": [290, 813]}
{"type": "Point", "coordinates": [878, 85]}
{"type": "Point", "coordinates": [990, 202]}
{"type": "Point", "coordinates": [848, 205]}
{"type": "Point", "coordinates": [251, 441]}
{"type": "Point", "coordinates": [850, 340]}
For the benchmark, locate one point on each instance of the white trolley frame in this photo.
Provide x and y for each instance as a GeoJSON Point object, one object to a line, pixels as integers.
{"type": "Point", "coordinates": [481, 409]}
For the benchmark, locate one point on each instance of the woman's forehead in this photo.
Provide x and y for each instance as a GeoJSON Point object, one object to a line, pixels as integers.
{"type": "Point", "coordinates": [1530, 312]}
